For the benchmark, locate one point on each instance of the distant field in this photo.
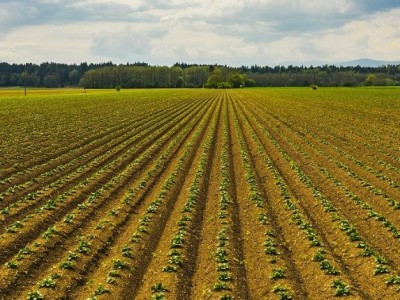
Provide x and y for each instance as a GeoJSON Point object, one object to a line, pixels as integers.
{"type": "Point", "coordinates": [20, 91]}
{"type": "Point", "coordinates": [264, 193]}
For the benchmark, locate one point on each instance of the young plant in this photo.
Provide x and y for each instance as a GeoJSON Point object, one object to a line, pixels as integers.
{"type": "Point", "coordinates": [225, 276]}
{"type": "Point", "coordinates": [127, 252]}
{"type": "Point", "coordinates": [170, 269]}
{"type": "Point", "coordinates": [67, 265]}
{"type": "Point", "coordinates": [319, 255]}
{"type": "Point", "coordinates": [159, 287]}
{"type": "Point", "coordinates": [35, 295]}
{"type": "Point", "coordinates": [328, 268]}
{"type": "Point", "coordinates": [47, 283]}
{"type": "Point", "coordinates": [84, 247]}
{"type": "Point", "coordinates": [48, 234]}
{"type": "Point", "coordinates": [11, 265]}
{"type": "Point", "coordinates": [381, 269]}
{"type": "Point", "coordinates": [101, 290]}
{"type": "Point", "coordinates": [119, 264]}
{"type": "Point", "coordinates": [278, 273]}
{"type": "Point", "coordinates": [341, 288]}
{"type": "Point", "coordinates": [221, 286]}
{"type": "Point", "coordinates": [69, 218]}
{"type": "Point", "coordinates": [282, 292]}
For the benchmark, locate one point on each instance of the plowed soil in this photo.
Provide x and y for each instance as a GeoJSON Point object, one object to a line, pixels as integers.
{"type": "Point", "coordinates": [200, 194]}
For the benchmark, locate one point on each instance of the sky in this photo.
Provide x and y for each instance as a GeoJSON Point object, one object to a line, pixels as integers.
{"type": "Point", "coordinates": [232, 32]}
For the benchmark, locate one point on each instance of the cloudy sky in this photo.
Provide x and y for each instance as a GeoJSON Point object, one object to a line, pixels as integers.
{"type": "Point", "coordinates": [232, 32]}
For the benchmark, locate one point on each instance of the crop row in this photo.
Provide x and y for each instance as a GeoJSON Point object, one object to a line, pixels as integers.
{"type": "Point", "coordinates": [98, 198]}
{"type": "Point", "coordinates": [344, 224]}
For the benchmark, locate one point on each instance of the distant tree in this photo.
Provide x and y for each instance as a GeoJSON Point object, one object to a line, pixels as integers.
{"type": "Point", "coordinates": [142, 75]}
{"type": "Point", "coordinates": [371, 79]}
{"type": "Point", "coordinates": [249, 82]}
{"type": "Point", "coordinates": [51, 81]}
{"type": "Point", "coordinates": [86, 81]}
{"type": "Point", "coordinates": [73, 77]}
{"type": "Point", "coordinates": [180, 82]}
{"type": "Point", "coordinates": [196, 76]}
{"type": "Point", "coordinates": [237, 80]}
{"type": "Point", "coordinates": [214, 79]}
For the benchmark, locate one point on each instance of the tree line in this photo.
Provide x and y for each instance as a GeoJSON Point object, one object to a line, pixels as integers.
{"type": "Point", "coordinates": [47, 74]}
{"type": "Point", "coordinates": [143, 75]}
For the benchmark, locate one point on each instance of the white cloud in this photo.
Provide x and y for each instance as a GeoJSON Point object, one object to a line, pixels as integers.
{"type": "Point", "coordinates": [198, 31]}
{"type": "Point", "coordinates": [66, 43]}
{"type": "Point", "coordinates": [205, 47]}
{"type": "Point", "coordinates": [374, 37]}
{"type": "Point", "coordinates": [126, 42]}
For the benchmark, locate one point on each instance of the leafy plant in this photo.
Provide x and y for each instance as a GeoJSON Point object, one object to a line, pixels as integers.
{"type": "Point", "coordinates": [225, 276]}
{"type": "Point", "coordinates": [158, 296]}
{"type": "Point", "coordinates": [341, 288]}
{"type": "Point", "coordinates": [221, 286]}
{"type": "Point", "coordinates": [114, 273]}
{"type": "Point", "coordinates": [381, 269]}
{"type": "Point", "coordinates": [119, 264]}
{"type": "Point", "coordinates": [278, 273]}
{"type": "Point", "coordinates": [394, 279]}
{"type": "Point", "coordinates": [25, 251]}
{"type": "Point", "coordinates": [31, 196]}
{"type": "Point", "coordinates": [82, 206]}
{"type": "Point", "coordinates": [177, 241]}
{"type": "Point", "coordinates": [69, 218]}
{"type": "Point", "coordinates": [176, 260]}
{"type": "Point", "coordinates": [113, 212]}
{"type": "Point", "coordinates": [319, 255]}
{"type": "Point", "coordinates": [221, 255]}
{"type": "Point", "coordinates": [49, 233]}
{"type": "Point", "coordinates": [84, 247]}
{"type": "Point", "coordinates": [101, 290]}
{"type": "Point", "coordinates": [159, 287]}
{"type": "Point", "coordinates": [282, 292]}
{"type": "Point", "coordinates": [47, 283]}
{"type": "Point", "coordinates": [223, 267]}
{"type": "Point", "coordinates": [72, 256]}
{"type": "Point", "coordinates": [15, 227]}
{"type": "Point", "coordinates": [328, 268]}
{"type": "Point", "coordinates": [11, 265]}
{"type": "Point", "coordinates": [127, 252]}
{"type": "Point", "coordinates": [35, 295]}
{"type": "Point", "coordinates": [67, 265]}
{"type": "Point", "coordinates": [170, 269]}
{"type": "Point", "coordinates": [111, 280]}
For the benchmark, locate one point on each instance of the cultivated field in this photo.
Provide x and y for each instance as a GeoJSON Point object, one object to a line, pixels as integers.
{"type": "Point", "coordinates": [200, 194]}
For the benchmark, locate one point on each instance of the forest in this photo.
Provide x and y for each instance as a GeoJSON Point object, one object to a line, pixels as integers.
{"type": "Point", "coordinates": [143, 75]}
